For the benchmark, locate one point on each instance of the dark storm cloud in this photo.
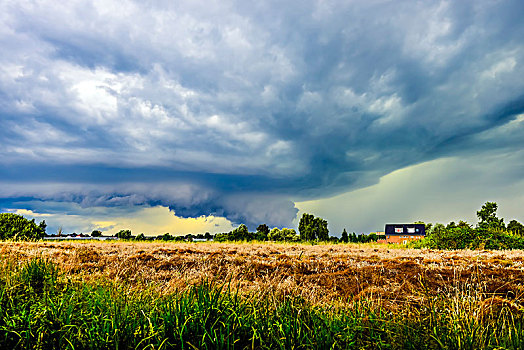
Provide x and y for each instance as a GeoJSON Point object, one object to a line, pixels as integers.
{"type": "Point", "coordinates": [237, 110]}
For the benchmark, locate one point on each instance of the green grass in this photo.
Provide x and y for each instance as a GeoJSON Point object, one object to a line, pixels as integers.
{"type": "Point", "coordinates": [42, 308]}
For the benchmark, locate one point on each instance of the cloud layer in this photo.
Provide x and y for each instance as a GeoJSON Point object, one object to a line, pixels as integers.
{"type": "Point", "coordinates": [239, 110]}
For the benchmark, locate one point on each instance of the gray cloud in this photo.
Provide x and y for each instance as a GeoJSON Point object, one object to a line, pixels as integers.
{"type": "Point", "coordinates": [237, 110]}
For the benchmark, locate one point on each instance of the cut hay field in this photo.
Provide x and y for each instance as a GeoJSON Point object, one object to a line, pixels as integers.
{"type": "Point", "coordinates": [263, 296]}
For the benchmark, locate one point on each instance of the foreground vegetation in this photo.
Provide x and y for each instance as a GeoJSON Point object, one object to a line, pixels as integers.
{"type": "Point", "coordinates": [233, 296]}
{"type": "Point", "coordinates": [260, 295]}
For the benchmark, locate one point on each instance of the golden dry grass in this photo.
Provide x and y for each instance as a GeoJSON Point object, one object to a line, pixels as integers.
{"type": "Point", "coordinates": [334, 274]}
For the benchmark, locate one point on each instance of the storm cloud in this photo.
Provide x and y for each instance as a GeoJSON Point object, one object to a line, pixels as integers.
{"type": "Point", "coordinates": [239, 110]}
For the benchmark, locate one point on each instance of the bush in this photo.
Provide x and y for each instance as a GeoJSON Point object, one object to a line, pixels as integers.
{"type": "Point", "coordinates": [470, 238]}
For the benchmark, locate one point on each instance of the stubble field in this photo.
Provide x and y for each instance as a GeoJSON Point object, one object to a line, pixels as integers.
{"type": "Point", "coordinates": [396, 298]}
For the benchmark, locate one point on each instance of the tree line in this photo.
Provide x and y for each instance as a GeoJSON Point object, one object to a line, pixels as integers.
{"type": "Point", "coordinates": [310, 228]}
{"type": "Point", "coordinates": [490, 232]}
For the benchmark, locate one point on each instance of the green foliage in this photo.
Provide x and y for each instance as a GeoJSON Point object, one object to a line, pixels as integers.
{"type": "Point", "coordinates": [38, 275]}
{"type": "Point", "coordinates": [372, 237]}
{"type": "Point", "coordinates": [306, 227]}
{"type": "Point", "coordinates": [344, 238]}
{"type": "Point", "coordinates": [124, 234]}
{"type": "Point", "coordinates": [284, 235]}
{"type": "Point", "coordinates": [516, 227]}
{"type": "Point", "coordinates": [449, 238]}
{"type": "Point", "coordinates": [241, 233]}
{"type": "Point", "coordinates": [334, 240]}
{"type": "Point", "coordinates": [488, 217]}
{"type": "Point", "coordinates": [262, 233]}
{"type": "Point", "coordinates": [263, 229]}
{"type": "Point", "coordinates": [42, 308]}
{"type": "Point", "coordinates": [96, 233]}
{"type": "Point", "coordinates": [490, 233]}
{"type": "Point", "coordinates": [14, 226]}
{"type": "Point", "coordinates": [362, 238]}
{"type": "Point", "coordinates": [313, 228]}
{"type": "Point", "coordinates": [221, 237]}
{"type": "Point", "coordinates": [167, 237]}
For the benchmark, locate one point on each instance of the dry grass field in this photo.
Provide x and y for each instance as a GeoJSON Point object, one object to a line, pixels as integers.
{"type": "Point", "coordinates": [321, 274]}
{"type": "Point", "coordinates": [133, 295]}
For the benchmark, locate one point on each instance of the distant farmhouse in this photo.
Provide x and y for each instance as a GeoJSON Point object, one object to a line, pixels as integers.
{"type": "Point", "coordinates": [403, 233]}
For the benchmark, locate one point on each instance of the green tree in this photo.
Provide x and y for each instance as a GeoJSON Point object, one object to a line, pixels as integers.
{"type": "Point", "coordinates": [372, 237]}
{"type": "Point", "coordinates": [241, 233]}
{"type": "Point", "coordinates": [311, 228]}
{"type": "Point", "coordinates": [221, 237]}
{"type": "Point", "coordinates": [263, 229]}
{"type": "Point", "coordinates": [463, 224]}
{"type": "Point", "coordinates": [96, 233]}
{"type": "Point", "coordinates": [344, 238]}
{"type": "Point", "coordinates": [124, 234]}
{"type": "Point", "coordinates": [289, 234]}
{"type": "Point", "coordinates": [167, 237]}
{"type": "Point", "coordinates": [516, 227]}
{"type": "Point", "coordinates": [321, 229]}
{"type": "Point", "coordinates": [274, 234]}
{"type": "Point", "coordinates": [262, 232]}
{"type": "Point", "coordinates": [42, 225]}
{"type": "Point", "coordinates": [488, 217]}
{"type": "Point", "coordinates": [286, 234]}
{"type": "Point", "coordinates": [306, 227]}
{"type": "Point", "coordinates": [14, 226]}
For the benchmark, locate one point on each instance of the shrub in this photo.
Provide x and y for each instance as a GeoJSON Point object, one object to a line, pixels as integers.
{"type": "Point", "coordinates": [470, 238]}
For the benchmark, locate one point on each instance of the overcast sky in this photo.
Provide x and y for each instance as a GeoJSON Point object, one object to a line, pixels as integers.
{"type": "Point", "coordinates": [207, 114]}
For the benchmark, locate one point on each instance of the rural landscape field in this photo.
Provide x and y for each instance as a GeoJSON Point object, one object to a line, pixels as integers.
{"type": "Point", "coordinates": [258, 295]}
{"type": "Point", "coordinates": [315, 174]}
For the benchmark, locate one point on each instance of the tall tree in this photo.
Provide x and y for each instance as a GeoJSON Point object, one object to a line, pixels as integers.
{"type": "Point", "coordinates": [344, 238]}
{"type": "Point", "coordinates": [305, 227]}
{"type": "Point", "coordinates": [321, 229]}
{"type": "Point", "coordinates": [488, 216]}
{"type": "Point", "coordinates": [311, 228]}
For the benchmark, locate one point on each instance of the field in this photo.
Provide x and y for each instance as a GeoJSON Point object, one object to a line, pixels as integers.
{"type": "Point", "coordinates": [259, 296]}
